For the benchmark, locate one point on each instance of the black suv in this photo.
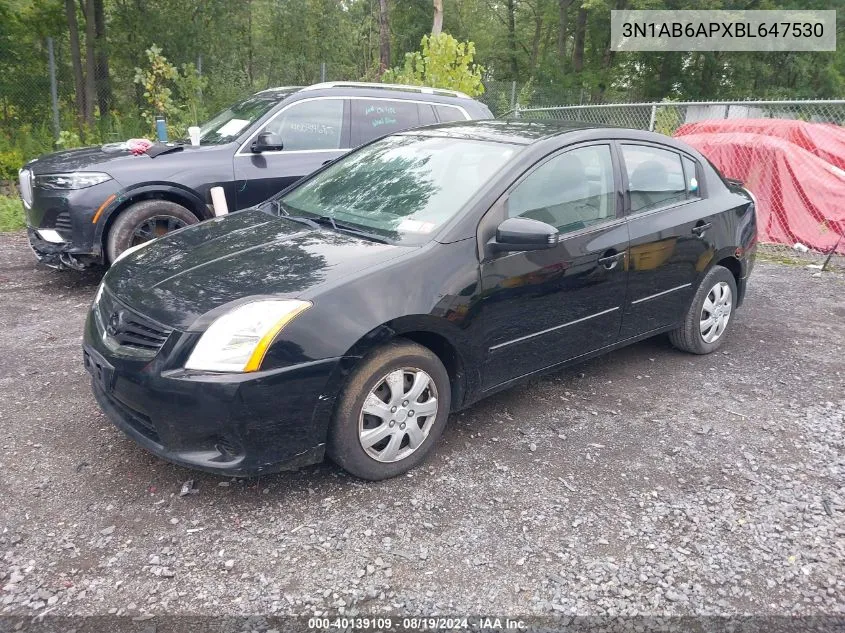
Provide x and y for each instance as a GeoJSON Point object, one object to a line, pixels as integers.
{"type": "Point", "coordinates": [88, 205]}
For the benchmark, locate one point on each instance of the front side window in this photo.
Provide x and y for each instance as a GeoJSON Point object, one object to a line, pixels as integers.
{"type": "Point", "coordinates": [372, 118]}
{"type": "Point", "coordinates": [402, 188]}
{"type": "Point", "coordinates": [310, 125]}
{"type": "Point", "coordinates": [655, 177]}
{"type": "Point", "coordinates": [571, 191]}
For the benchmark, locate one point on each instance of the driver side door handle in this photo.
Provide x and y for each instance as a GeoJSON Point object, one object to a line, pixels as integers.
{"type": "Point", "coordinates": [699, 229]}
{"type": "Point", "coordinates": [610, 261]}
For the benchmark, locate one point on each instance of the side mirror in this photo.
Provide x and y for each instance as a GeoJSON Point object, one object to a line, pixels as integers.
{"type": "Point", "coordinates": [524, 234]}
{"type": "Point", "coordinates": [266, 142]}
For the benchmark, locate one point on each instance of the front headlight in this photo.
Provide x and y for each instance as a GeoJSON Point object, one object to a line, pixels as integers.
{"type": "Point", "coordinates": [238, 340]}
{"type": "Point", "coordinates": [72, 180]}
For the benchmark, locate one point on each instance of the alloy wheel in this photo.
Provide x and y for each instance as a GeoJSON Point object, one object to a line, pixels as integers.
{"type": "Point", "coordinates": [154, 227]}
{"type": "Point", "coordinates": [716, 312]}
{"type": "Point", "coordinates": [398, 414]}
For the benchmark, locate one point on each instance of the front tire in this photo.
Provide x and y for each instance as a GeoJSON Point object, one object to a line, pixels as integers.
{"type": "Point", "coordinates": [709, 314]}
{"type": "Point", "coordinates": [144, 221]}
{"type": "Point", "coordinates": [391, 412]}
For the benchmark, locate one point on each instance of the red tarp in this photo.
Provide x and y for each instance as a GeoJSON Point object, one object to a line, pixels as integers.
{"type": "Point", "coordinates": [796, 170]}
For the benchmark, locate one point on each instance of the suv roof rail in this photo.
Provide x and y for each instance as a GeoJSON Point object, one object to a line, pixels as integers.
{"type": "Point", "coordinates": [363, 84]}
{"type": "Point", "coordinates": [277, 88]}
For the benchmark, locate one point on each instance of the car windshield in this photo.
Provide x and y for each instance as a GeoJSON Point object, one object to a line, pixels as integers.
{"type": "Point", "coordinates": [228, 125]}
{"type": "Point", "coordinates": [401, 188]}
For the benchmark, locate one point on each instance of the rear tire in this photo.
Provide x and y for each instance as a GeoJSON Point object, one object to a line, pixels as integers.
{"type": "Point", "coordinates": [380, 428]}
{"type": "Point", "coordinates": [144, 221]}
{"type": "Point", "coordinates": [709, 315]}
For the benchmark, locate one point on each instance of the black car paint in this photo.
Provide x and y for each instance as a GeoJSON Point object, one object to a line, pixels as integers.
{"type": "Point", "coordinates": [479, 310]}
{"type": "Point", "coordinates": [187, 175]}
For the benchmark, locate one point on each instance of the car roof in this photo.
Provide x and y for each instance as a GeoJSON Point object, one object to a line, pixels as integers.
{"type": "Point", "coordinates": [361, 88]}
{"type": "Point", "coordinates": [544, 132]}
{"type": "Point", "coordinates": [517, 131]}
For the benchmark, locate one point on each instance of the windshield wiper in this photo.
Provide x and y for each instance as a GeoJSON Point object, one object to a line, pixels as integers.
{"type": "Point", "coordinates": [282, 211]}
{"type": "Point", "coordinates": [348, 228]}
{"type": "Point", "coordinates": [326, 220]}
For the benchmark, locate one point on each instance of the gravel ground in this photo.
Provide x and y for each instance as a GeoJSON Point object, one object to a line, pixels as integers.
{"type": "Point", "coordinates": [644, 482]}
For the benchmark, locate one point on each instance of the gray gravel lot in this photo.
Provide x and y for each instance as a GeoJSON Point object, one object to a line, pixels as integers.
{"type": "Point", "coordinates": [647, 481]}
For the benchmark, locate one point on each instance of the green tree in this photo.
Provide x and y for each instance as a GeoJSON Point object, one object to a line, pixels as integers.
{"type": "Point", "coordinates": [442, 62]}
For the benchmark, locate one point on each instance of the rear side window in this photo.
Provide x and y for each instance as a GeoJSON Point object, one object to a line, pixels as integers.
{"type": "Point", "coordinates": [449, 113]}
{"type": "Point", "coordinates": [427, 116]}
{"type": "Point", "coordinates": [655, 177]}
{"type": "Point", "coordinates": [310, 125]}
{"type": "Point", "coordinates": [372, 118]}
{"type": "Point", "coordinates": [691, 175]}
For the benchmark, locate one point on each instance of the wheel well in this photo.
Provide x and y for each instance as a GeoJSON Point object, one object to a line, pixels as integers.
{"type": "Point", "coordinates": [732, 264]}
{"type": "Point", "coordinates": [448, 355]}
{"type": "Point", "coordinates": [149, 195]}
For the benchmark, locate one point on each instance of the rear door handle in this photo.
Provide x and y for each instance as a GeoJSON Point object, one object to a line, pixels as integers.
{"type": "Point", "coordinates": [699, 229]}
{"type": "Point", "coordinates": [610, 261]}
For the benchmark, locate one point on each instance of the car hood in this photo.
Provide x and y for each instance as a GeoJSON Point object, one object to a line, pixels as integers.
{"type": "Point", "coordinates": [180, 277]}
{"type": "Point", "coordinates": [83, 158]}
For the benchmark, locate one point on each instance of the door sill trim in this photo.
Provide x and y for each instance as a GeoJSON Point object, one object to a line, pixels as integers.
{"type": "Point", "coordinates": [660, 294]}
{"type": "Point", "coordinates": [551, 329]}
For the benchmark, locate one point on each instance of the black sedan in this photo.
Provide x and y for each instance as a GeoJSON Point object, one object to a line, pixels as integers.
{"type": "Point", "coordinates": [352, 313]}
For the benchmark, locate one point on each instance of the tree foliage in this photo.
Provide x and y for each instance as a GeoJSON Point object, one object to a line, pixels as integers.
{"type": "Point", "coordinates": [560, 48]}
{"type": "Point", "coordinates": [442, 62]}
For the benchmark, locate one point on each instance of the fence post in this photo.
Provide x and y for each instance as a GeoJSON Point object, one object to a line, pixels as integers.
{"type": "Point", "coordinates": [322, 72]}
{"type": "Point", "coordinates": [54, 91]}
{"type": "Point", "coordinates": [653, 117]}
{"type": "Point", "coordinates": [516, 111]}
{"type": "Point", "coordinates": [513, 94]}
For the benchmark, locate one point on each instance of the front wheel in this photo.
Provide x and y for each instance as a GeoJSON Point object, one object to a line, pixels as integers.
{"type": "Point", "coordinates": [707, 319]}
{"type": "Point", "coordinates": [391, 412]}
{"type": "Point", "coordinates": [144, 221]}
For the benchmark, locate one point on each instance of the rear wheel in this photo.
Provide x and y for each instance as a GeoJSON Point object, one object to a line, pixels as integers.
{"type": "Point", "coordinates": [391, 412]}
{"type": "Point", "coordinates": [144, 221]}
{"type": "Point", "coordinates": [709, 314]}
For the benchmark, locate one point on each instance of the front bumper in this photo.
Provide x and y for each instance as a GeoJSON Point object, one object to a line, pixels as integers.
{"type": "Point", "coordinates": [229, 424]}
{"type": "Point", "coordinates": [70, 214]}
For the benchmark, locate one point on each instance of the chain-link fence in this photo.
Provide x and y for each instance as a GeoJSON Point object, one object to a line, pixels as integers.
{"type": "Point", "coordinates": [789, 154]}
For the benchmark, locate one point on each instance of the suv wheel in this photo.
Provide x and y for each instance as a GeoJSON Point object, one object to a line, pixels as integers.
{"type": "Point", "coordinates": [144, 221]}
{"type": "Point", "coordinates": [391, 412]}
{"type": "Point", "coordinates": [703, 330]}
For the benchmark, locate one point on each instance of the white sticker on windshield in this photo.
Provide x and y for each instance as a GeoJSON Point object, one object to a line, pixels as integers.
{"type": "Point", "coordinates": [232, 127]}
{"type": "Point", "coordinates": [415, 226]}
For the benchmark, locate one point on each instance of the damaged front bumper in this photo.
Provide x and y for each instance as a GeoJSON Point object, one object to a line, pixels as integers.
{"type": "Point", "coordinates": [58, 255]}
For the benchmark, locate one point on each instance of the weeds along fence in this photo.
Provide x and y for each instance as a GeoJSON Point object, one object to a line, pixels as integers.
{"type": "Point", "coordinates": [789, 154]}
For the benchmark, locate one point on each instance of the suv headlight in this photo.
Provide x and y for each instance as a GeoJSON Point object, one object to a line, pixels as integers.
{"type": "Point", "coordinates": [72, 180]}
{"type": "Point", "coordinates": [238, 340]}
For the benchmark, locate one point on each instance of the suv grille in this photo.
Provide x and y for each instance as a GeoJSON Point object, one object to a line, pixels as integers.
{"type": "Point", "coordinates": [128, 328]}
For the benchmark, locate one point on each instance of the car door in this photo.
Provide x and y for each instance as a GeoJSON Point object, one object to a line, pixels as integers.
{"type": "Point", "coordinates": [668, 223]}
{"type": "Point", "coordinates": [543, 307]}
{"type": "Point", "coordinates": [312, 131]}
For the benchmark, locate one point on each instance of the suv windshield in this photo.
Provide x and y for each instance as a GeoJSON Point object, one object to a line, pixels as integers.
{"type": "Point", "coordinates": [403, 187]}
{"type": "Point", "coordinates": [227, 125]}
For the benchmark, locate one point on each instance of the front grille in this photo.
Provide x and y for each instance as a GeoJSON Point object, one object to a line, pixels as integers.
{"type": "Point", "coordinates": [128, 328]}
{"type": "Point", "coordinates": [63, 222]}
